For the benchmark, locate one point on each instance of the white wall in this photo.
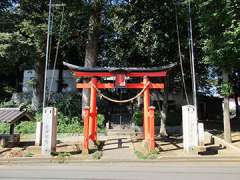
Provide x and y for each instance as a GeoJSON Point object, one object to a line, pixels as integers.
{"type": "Point", "coordinates": [29, 76]}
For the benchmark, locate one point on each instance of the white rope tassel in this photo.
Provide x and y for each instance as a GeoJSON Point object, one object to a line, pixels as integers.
{"type": "Point", "coordinates": [119, 101]}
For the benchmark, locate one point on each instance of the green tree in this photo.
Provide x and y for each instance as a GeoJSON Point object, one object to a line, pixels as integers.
{"type": "Point", "coordinates": [221, 29]}
{"type": "Point", "coordinates": [91, 49]}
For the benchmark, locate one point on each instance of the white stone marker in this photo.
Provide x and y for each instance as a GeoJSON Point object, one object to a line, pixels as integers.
{"type": "Point", "coordinates": [49, 131]}
{"type": "Point", "coordinates": [38, 138]}
{"type": "Point", "coordinates": [201, 134]}
{"type": "Point", "coordinates": [190, 128]}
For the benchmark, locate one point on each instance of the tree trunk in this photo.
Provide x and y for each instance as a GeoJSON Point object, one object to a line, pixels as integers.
{"type": "Point", "coordinates": [91, 47]}
{"type": "Point", "coordinates": [226, 114]}
{"type": "Point", "coordinates": [38, 85]}
{"type": "Point", "coordinates": [163, 131]}
{"type": "Point", "coordinates": [60, 78]}
{"type": "Point", "coordinates": [237, 105]}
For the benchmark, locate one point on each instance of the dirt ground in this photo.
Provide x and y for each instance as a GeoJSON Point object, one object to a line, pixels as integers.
{"type": "Point", "coordinates": [172, 146]}
{"type": "Point", "coordinates": [67, 145]}
{"type": "Point", "coordinates": [70, 145]}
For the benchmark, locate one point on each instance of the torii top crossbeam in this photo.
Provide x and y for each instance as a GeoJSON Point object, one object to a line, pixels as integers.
{"type": "Point", "coordinates": [111, 71]}
{"type": "Point", "coordinates": [120, 74]}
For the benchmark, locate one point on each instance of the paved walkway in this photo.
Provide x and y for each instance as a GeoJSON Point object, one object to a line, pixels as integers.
{"type": "Point", "coordinates": [118, 148]}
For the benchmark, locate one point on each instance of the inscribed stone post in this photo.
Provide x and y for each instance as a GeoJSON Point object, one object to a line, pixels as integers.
{"type": "Point", "coordinates": [190, 128]}
{"type": "Point", "coordinates": [49, 131]}
{"type": "Point", "coordinates": [38, 138]}
{"type": "Point", "coordinates": [201, 134]}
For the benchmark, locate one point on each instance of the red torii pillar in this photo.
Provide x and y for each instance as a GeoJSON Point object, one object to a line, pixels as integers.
{"type": "Point", "coordinates": [146, 103]}
{"type": "Point", "coordinates": [93, 110]}
{"type": "Point", "coordinates": [151, 142]}
{"type": "Point", "coordinates": [86, 130]}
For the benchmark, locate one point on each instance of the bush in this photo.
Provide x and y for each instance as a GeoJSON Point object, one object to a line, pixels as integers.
{"type": "Point", "coordinates": [67, 124]}
{"type": "Point", "coordinates": [138, 118]}
{"type": "Point", "coordinates": [26, 127]}
{"type": "Point", "coordinates": [100, 121]}
{"type": "Point", "coordinates": [7, 104]}
{"type": "Point", "coordinates": [69, 104]}
{"type": "Point", "coordinates": [4, 128]}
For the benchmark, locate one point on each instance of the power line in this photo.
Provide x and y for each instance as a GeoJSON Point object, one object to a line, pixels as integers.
{"type": "Point", "coordinates": [192, 60]}
{"type": "Point", "coordinates": [180, 56]}
{"type": "Point", "coordinates": [57, 50]}
{"type": "Point", "coordinates": [47, 53]}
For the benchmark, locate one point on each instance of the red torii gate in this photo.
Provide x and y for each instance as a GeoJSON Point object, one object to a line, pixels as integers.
{"type": "Point", "coordinates": [120, 74]}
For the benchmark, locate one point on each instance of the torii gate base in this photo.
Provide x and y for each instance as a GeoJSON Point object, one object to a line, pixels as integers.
{"type": "Point", "coordinates": [90, 113]}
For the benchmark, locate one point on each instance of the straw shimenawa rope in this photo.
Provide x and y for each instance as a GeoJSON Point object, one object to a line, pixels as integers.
{"type": "Point", "coordinates": [119, 101]}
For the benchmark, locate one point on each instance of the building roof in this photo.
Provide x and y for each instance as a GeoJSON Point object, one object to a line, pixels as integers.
{"type": "Point", "coordinates": [112, 69]}
{"type": "Point", "coordinates": [13, 115]}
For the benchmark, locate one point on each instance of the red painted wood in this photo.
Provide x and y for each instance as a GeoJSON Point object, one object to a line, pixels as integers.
{"type": "Point", "coordinates": [151, 141]}
{"type": "Point", "coordinates": [148, 74]}
{"type": "Point", "coordinates": [86, 130]}
{"type": "Point", "coordinates": [93, 110]}
{"type": "Point", "coordinates": [128, 86]}
{"type": "Point", "coordinates": [120, 80]}
{"type": "Point", "coordinates": [146, 103]}
{"type": "Point", "coordinates": [93, 74]}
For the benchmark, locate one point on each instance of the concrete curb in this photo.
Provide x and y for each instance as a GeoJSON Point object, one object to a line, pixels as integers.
{"type": "Point", "coordinates": [38, 161]}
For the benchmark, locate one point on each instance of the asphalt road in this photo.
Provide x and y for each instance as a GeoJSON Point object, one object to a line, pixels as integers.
{"type": "Point", "coordinates": [123, 171]}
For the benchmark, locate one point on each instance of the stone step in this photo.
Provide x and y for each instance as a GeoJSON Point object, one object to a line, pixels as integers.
{"type": "Point", "coordinates": [111, 132]}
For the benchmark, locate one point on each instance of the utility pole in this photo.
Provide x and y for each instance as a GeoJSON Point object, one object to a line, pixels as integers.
{"type": "Point", "coordinates": [192, 60]}
{"type": "Point", "coordinates": [47, 53]}
{"type": "Point", "coordinates": [47, 48]}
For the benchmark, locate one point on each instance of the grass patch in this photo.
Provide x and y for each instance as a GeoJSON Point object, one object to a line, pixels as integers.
{"type": "Point", "coordinates": [97, 155]}
{"type": "Point", "coordinates": [63, 156]}
{"type": "Point", "coordinates": [144, 156]}
{"type": "Point", "coordinates": [28, 154]}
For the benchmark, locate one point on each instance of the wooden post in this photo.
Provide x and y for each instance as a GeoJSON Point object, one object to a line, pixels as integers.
{"type": "Point", "coordinates": [151, 143]}
{"type": "Point", "coordinates": [12, 129]}
{"type": "Point", "coordinates": [146, 99]}
{"type": "Point", "coordinates": [93, 103]}
{"type": "Point", "coordinates": [86, 130]}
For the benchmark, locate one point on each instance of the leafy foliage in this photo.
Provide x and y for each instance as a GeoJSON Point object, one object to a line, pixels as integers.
{"type": "Point", "coordinates": [221, 28]}
{"type": "Point", "coordinates": [100, 121]}
{"type": "Point", "coordinates": [26, 127]}
{"type": "Point", "coordinates": [226, 89]}
{"type": "Point", "coordinates": [68, 104]}
{"type": "Point", "coordinates": [138, 118]}
{"type": "Point", "coordinates": [68, 124]}
{"type": "Point", "coordinates": [22, 128]}
{"type": "Point", "coordinates": [4, 128]}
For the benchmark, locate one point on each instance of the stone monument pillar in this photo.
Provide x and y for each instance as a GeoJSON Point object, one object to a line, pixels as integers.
{"type": "Point", "coordinates": [38, 136]}
{"type": "Point", "coordinates": [49, 131]}
{"type": "Point", "coordinates": [190, 128]}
